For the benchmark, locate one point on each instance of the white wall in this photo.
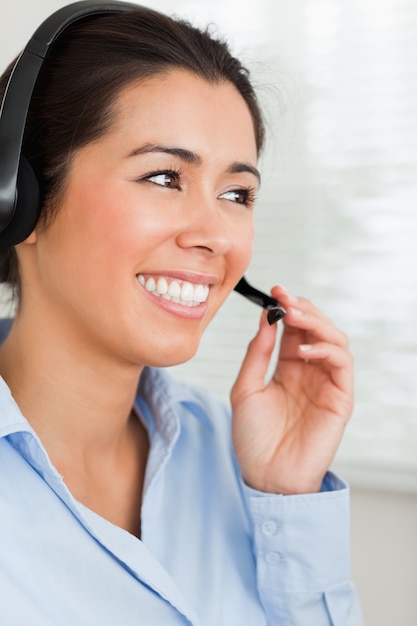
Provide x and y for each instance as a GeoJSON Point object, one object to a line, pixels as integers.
{"type": "Point", "coordinates": [384, 556]}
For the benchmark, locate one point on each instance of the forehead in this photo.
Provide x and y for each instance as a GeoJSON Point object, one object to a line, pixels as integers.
{"type": "Point", "coordinates": [184, 107]}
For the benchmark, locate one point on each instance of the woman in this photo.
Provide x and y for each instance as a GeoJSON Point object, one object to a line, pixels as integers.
{"type": "Point", "coordinates": [127, 497]}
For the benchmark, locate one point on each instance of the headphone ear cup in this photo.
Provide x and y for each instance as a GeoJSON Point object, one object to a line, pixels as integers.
{"type": "Point", "coordinates": [27, 207]}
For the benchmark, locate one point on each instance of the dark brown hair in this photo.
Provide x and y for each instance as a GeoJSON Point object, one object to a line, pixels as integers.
{"type": "Point", "coordinates": [87, 67]}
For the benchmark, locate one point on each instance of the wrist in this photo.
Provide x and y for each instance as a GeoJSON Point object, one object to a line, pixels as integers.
{"type": "Point", "coordinates": [290, 487]}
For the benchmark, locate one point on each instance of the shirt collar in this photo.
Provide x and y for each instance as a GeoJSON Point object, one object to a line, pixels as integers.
{"type": "Point", "coordinates": [11, 418]}
{"type": "Point", "coordinates": [161, 391]}
{"type": "Point", "coordinates": [158, 390]}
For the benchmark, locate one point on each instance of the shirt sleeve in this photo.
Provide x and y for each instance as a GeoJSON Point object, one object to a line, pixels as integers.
{"type": "Point", "coordinates": [302, 552]}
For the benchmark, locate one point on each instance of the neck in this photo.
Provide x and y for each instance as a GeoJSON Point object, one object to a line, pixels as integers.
{"type": "Point", "coordinates": [79, 401]}
{"type": "Point", "coordinates": [72, 395]}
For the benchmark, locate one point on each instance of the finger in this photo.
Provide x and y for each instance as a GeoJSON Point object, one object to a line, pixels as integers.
{"type": "Point", "coordinates": [337, 360]}
{"type": "Point", "coordinates": [297, 306]}
{"type": "Point", "coordinates": [304, 318]}
{"type": "Point", "coordinates": [290, 300]}
{"type": "Point", "coordinates": [251, 377]}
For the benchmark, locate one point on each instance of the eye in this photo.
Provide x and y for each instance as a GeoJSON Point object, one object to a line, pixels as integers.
{"type": "Point", "coordinates": [165, 178]}
{"type": "Point", "coordinates": [240, 196]}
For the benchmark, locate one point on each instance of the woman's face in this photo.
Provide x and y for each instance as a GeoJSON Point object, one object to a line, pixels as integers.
{"type": "Point", "coordinates": [156, 223]}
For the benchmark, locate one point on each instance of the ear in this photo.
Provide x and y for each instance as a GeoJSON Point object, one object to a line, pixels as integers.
{"type": "Point", "coordinates": [30, 240]}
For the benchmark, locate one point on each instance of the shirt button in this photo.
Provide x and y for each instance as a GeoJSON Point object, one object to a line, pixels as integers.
{"type": "Point", "coordinates": [273, 557]}
{"type": "Point", "coordinates": [269, 528]}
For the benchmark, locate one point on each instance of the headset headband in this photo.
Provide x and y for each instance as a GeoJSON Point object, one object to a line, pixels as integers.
{"type": "Point", "coordinates": [19, 188]}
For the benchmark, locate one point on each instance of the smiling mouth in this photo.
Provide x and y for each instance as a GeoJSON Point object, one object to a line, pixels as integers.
{"type": "Point", "coordinates": [177, 291]}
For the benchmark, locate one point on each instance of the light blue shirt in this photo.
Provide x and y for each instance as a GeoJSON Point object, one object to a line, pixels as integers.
{"type": "Point", "coordinates": [213, 552]}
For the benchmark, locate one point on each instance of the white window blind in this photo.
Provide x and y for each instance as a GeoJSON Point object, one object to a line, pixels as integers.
{"type": "Point", "coordinates": [336, 218]}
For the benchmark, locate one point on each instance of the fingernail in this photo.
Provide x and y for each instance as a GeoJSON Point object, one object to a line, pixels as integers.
{"type": "Point", "coordinates": [295, 311]}
{"type": "Point", "coordinates": [289, 295]}
{"type": "Point", "coordinates": [305, 347]}
{"type": "Point", "coordinates": [275, 314]}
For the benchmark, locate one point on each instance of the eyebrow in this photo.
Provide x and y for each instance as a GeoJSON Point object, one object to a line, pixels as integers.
{"type": "Point", "coordinates": [237, 167]}
{"type": "Point", "coordinates": [192, 158]}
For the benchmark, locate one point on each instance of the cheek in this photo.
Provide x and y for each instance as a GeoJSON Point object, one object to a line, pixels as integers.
{"type": "Point", "coordinates": [243, 245]}
{"type": "Point", "coordinates": [121, 224]}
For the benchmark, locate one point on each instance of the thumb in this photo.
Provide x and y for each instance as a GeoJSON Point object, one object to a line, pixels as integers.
{"type": "Point", "coordinates": [251, 377]}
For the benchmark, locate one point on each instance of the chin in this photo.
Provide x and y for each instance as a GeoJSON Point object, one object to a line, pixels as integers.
{"type": "Point", "coordinates": [169, 358]}
{"type": "Point", "coordinates": [169, 362]}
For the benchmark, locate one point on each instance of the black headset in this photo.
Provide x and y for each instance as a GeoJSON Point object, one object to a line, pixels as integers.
{"type": "Point", "coordinates": [20, 190]}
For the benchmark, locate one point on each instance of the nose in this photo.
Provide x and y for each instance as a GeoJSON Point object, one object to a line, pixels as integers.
{"type": "Point", "coordinates": [208, 228]}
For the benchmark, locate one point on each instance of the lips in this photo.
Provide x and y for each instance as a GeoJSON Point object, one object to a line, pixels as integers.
{"type": "Point", "coordinates": [178, 291]}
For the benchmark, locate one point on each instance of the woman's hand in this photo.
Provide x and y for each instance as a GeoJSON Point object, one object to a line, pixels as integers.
{"type": "Point", "coordinates": [286, 431]}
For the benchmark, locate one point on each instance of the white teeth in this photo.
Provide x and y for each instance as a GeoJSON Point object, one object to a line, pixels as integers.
{"type": "Point", "coordinates": [162, 286]}
{"type": "Point", "coordinates": [200, 293]}
{"type": "Point", "coordinates": [186, 293]}
{"type": "Point", "coordinates": [174, 289]}
{"type": "Point", "coordinates": [150, 284]}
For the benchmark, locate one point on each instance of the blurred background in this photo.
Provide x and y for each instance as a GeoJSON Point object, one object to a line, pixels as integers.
{"type": "Point", "coordinates": [336, 221]}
